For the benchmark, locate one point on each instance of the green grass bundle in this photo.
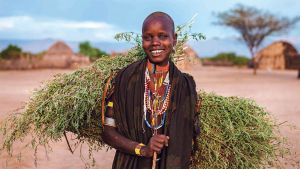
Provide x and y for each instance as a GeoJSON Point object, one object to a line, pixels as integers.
{"type": "Point", "coordinates": [237, 133]}
{"type": "Point", "coordinates": [69, 102]}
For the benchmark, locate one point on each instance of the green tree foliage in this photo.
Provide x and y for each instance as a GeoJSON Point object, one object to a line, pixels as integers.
{"type": "Point", "coordinates": [231, 58]}
{"type": "Point", "coordinates": [11, 52]}
{"type": "Point", "coordinates": [93, 53]}
{"type": "Point", "coordinates": [254, 25]}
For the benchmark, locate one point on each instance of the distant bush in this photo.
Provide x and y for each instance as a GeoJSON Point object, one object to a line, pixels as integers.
{"type": "Point", "coordinates": [11, 52]}
{"type": "Point", "coordinates": [229, 58]}
{"type": "Point", "coordinates": [86, 49]}
{"type": "Point", "coordinates": [40, 54]}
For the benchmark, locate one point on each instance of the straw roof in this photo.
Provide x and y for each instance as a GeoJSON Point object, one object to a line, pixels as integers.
{"type": "Point", "coordinates": [190, 58]}
{"type": "Point", "coordinates": [60, 48]}
{"type": "Point", "coordinates": [278, 55]}
{"type": "Point", "coordinates": [60, 55]}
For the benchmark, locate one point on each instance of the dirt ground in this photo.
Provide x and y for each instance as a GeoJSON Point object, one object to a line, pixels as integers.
{"type": "Point", "coordinates": [277, 91]}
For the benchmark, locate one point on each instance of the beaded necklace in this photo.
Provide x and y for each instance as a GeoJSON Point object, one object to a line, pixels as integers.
{"type": "Point", "coordinates": [154, 104]}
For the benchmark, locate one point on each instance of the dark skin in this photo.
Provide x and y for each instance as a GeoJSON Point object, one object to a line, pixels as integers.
{"type": "Point", "coordinates": [158, 42]}
{"type": "Point", "coordinates": [158, 35]}
{"type": "Point", "coordinates": [157, 142]}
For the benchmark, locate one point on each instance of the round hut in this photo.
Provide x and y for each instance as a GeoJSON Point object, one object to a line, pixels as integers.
{"type": "Point", "coordinates": [60, 55]}
{"type": "Point", "coordinates": [190, 58]}
{"type": "Point", "coordinates": [278, 55]}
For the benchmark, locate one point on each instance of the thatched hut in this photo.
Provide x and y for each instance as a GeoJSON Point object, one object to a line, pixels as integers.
{"type": "Point", "coordinates": [190, 58]}
{"type": "Point", "coordinates": [60, 55]}
{"type": "Point", "coordinates": [278, 55]}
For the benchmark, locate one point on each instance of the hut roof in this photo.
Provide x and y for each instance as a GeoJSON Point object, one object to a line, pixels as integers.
{"type": "Point", "coordinates": [190, 52]}
{"type": "Point", "coordinates": [278, 55]}
{"type": "Point", "coordinates": [60, 48]}
{"type": "Point", "coordinates": [278, 48]}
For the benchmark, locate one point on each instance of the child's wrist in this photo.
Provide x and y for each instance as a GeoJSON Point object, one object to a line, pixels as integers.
{"type": "Point", "coordinates": [146, 152]}
{"type": "Point", "coordinates": [138, 149]}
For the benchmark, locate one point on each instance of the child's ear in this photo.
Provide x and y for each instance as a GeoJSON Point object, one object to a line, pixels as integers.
{"type": "Point", "coordinates": [175, 39]}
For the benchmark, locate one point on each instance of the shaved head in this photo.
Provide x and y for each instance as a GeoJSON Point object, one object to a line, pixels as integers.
{"type": "Point", "coordinates": [159, 16]}
{"type": "Point", "coordinates": [158, 37]}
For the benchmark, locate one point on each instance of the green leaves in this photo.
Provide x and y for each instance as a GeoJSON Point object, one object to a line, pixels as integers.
{"type": "Point", "coordinates": [94, 53]}
{"type": "Point", "coordinates": [238, 133]}
{"type": "Point", "coordinates": [11, 52]}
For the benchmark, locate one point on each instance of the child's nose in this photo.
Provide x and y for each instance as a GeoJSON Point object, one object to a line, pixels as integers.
{"type": "Point", "coordinates": [155, 41]}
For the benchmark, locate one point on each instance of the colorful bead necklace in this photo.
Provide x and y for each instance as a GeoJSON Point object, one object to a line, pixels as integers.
{"type": "Point", "coordinates": [152, 101]}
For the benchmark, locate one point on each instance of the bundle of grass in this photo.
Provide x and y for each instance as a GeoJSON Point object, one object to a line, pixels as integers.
{"type": "Point", "coordinates": [238, 133]}
{"type": "Point", "coordinates": [69, 102]}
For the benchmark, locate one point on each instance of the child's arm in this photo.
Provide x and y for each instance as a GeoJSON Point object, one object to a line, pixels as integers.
{"type": "Point", "coordinates": [113, 138]}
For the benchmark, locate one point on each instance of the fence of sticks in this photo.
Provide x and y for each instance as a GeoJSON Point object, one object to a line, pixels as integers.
{"type": "Point", "coordinates": [235, 132]}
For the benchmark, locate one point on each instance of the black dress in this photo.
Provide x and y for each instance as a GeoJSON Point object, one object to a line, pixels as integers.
{"type": "Point", "coordinates": [128, 113]}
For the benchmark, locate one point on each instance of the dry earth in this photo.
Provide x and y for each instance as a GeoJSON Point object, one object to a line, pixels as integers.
{"type": "Point", "coordinates": [277, 91]}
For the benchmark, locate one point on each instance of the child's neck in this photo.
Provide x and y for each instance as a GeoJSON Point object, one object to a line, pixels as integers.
{"type": "Point", "coordinates": [157, 68]}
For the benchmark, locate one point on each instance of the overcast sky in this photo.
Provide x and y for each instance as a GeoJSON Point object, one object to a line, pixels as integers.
{"type": "Point", "coordinates": [97, 20]}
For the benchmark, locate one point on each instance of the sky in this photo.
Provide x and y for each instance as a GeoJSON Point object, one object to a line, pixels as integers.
{"type": "Point", "coordinates": [100, 20]}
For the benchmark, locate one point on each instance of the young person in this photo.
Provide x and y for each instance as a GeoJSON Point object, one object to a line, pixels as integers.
{"type": "Point", "coordinates": [152, 107]}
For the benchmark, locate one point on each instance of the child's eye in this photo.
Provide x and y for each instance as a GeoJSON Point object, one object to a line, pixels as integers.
{"type": "Point", "coordinates": [163, 36]}
{"type": "Point", "coordinates": [147, 38]}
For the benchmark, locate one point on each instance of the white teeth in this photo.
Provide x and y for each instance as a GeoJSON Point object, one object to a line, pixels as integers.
{"type": "Point", "coordinates": [156, 52]}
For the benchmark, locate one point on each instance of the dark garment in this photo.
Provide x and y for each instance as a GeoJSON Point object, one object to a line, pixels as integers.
{"type": "Point", "coordinates": [128, 113]}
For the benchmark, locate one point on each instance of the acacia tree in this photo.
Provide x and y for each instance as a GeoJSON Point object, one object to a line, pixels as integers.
{"type": "Point", "coordinates": [254, 26]}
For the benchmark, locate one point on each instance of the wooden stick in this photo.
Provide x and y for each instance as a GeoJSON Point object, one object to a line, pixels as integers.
{"type": "Point", "coordinates": [154, 154]}
{"type": "Point", "coordinates": [104, 97]}
{"type": "Point", "coordinates": [154, 160]}
{"type": "Point", "coordinates": [156, 85]}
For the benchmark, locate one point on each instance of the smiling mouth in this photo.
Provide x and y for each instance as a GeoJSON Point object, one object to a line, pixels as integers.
{"type": "Point", "coordinates": [156, 52]}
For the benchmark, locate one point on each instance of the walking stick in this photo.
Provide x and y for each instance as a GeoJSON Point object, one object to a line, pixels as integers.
{"type": "Point", "coordinates": [154, 160]}
{"type": "Point", "coordinates": [154, 123]}
{"type": "Point", "coordinates": [156, 104]}
{"type": "Point", "coordinates": [154, 154]}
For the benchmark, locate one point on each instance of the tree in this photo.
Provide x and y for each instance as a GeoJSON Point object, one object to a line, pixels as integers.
{"type": "Point", "coordinates": [254, 26]}
{"type": "Point", "coordinates": [94, 53]}
{"type": "Point", "coordinates": [11, 52]}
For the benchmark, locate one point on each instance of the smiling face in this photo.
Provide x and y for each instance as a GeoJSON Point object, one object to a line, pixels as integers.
{"type": "Point", "coordinates": [158, 39]}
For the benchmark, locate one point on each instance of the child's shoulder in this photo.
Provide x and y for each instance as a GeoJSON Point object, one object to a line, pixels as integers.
{"type": "Point", "coordinates": [187, 75]}
{"type": "Point", "coordinates": [130, 69]}
{"type": "Point", "coordinates": [188, 79]}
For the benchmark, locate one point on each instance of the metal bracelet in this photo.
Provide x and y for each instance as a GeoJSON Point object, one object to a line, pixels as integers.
{"type": "Point", "coordinates": [109, 122]}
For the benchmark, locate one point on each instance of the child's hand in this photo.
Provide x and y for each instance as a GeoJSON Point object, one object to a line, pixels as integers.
{"type": "Point", "coordinates": [156, 143]}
